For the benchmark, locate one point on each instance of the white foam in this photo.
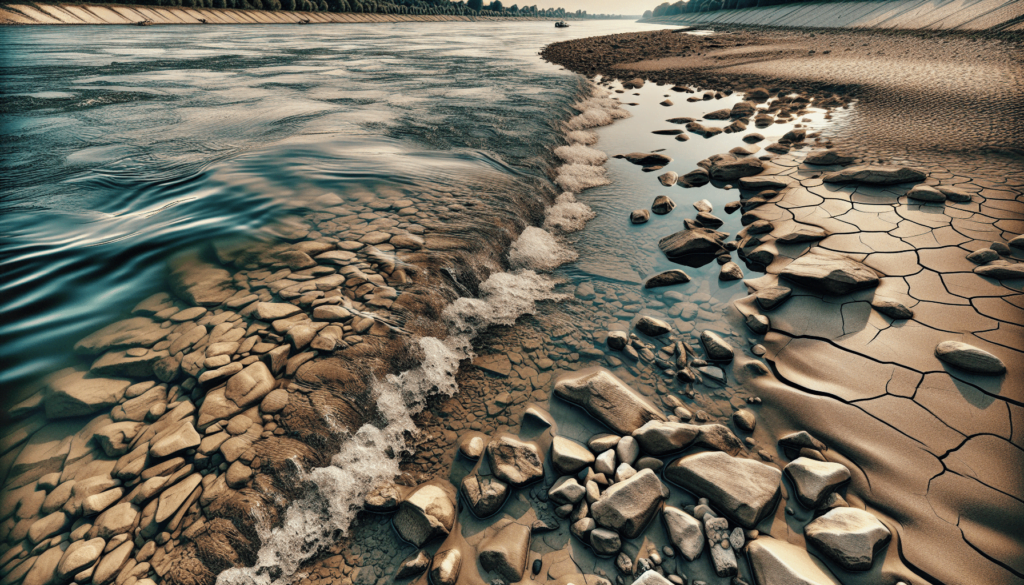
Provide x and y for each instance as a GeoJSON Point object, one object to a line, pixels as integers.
{"type": "Point", "coordinates": [537, 249]}
{"type": "Point", "coordinates": [576, 178]}
{"type": "Point", "coordinates": [597, 110]}
{"type": "Point", "coordinates": [567, 215]}
{"type": "Point", "coordinates": [579, 154]}
{"type": "Point", "coordinates": [584, 137]}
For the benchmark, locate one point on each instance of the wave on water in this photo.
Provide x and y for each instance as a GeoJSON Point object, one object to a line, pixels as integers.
{"type": "Point", "coordinates": [371, 456]}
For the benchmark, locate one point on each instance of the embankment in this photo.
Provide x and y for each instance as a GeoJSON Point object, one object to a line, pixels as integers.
{"type": "Point", "coordinates": [11, 14]}
{"type": "Point", "coordinates": [968, 15]}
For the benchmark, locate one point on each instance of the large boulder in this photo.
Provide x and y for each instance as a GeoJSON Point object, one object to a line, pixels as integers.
{"type": "Point", "coordinates": [776, 562]}
{"type": "Point", "coordinates": [515, 462]}
{"type": "Point", "coordinates": [693, 247]}
{"type": "Point", "coordinates": [569, 457]}
{"type": "Point", "coordinates": [685, 532]}
{"type": "Point", "coordinates": [608, 399]}
{"type": "Point", "coordinates": [744, 490]}
{"type": "Point", "coordinates": [628, 506]}
{"type": "Point", "coordinates": [728, 166]}
{"type": "Point", "coordinates": [875, 175]}
{"type": "Point", "coordinates": [661, 437]}
{"type": "Point", "coordinates": [816, 480]}
{"type": "Point", "coordinates": [428, 512]}
{"type": "Point", "coordinates": [830, 273]}
{"type": "Point", "coordinates": [507, 551]}
{"type": "Point", "coordinates": [76, 393]}
{"type": "Point", "coordinates": [850, 537]}
{"type": "Point", "coordinates": [970, 358]}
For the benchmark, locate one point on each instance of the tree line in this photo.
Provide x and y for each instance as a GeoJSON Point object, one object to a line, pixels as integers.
{"type": "Point", "coordinates": [408, 7]}
{"type": "Point", "coordinates": [685, 7]}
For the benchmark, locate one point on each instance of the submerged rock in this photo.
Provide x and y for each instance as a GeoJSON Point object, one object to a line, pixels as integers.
{"type": "Point", "coordinates": [414, 564]}
{"type": "Point", "coordinates": [746, 491]}
{"type": "Point", "coordinates": [701, 243]}
{"type": "Point", "coordinates": [830, 273]}
{"type": "Point", "coordinates": [668, 179]}
{"type": "Point", "coordinates": [968, 357]}
{"type": "Point", "coordinates": [875, 175]}
{"type": "Point", "coordinates": [607, 399]}
{"type": "Point", "coordinates": [428, 512]}
{"type": "Point", "coordinates": [640, 216]}
{"type": "Point", "coordinates": [646, 159]}
{"type": "Point", "coordinates": [628, 506]}
{"type": "Point", "coordinates": [850, 537]}
{"type": "Point", "coordinates": [667, 278]}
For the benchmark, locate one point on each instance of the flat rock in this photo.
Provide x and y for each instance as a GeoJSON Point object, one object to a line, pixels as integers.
{"type": "Point", "coordinates": [875, 175]}
{"type": "Point", "coordinates": [728, 167]}
{"type": "Point", "coordinates": [608, 399]}
{"type": "Point", "coordinates": [198, 282]}
{"type": "Point", "coordinates": [118, 519]}
{"type": "Point", "coordinates": [569, 457]}
{"type": "Point", "coordinates": [955, 195]}
{"type": "Point", "coordinates": [513, 461]}
{"type": "Point", "coordinates": [77, 393]}
{"type": "Point", "coordinates": [1001, 271]}
{"type": "Point", "coordinates": [182, 437]}
{"type": "Point", "coordinates": [701, 243]}
{"type": "Point", "coordinates": [645, 159]}
{"type": "Point", "coordinates": [130, 363]}
{"type": "Point", "coordinates": [497, 364]}
{"type": "Point", "coordinates": [663, 437]}
{"type": "Point", "coordinates": [173, 497]}
{"type": "Point", "coordinates": [760, 183]}
{"type": "Point", "coordinates": [746, 491]}
{"type": "Point", "coordinates": [816, 480]}
{"type": "Point", "coordinates": [685, 532]}
{"type": "Point", "coordinates": [830, 273]}
{"type": "Point", "coordinates": [926, 193]}
{"type": "Point", "coordinates": [652, 578]}
{"type": "Point", "coordinates": [628, 506]}
{"type": "Point", "coordinates": [827, 157]}
{"type": "Point", "coordinates": [133, 332]}
{"type": "Point", "coordinates": [112, 563]}
{"type": "Point", "coordinates": [970, 358]}
{"type": "Point", "coordinates": [251, 385]}
{"type": "Point", "coordinates": [850, 537]}
{"type": "Point", "coordinates": [652, 327]}
{"type": "Point", "coordinates": [776, 562]}
{"type": "Point", "coordinates": [892, 309]}
{"type": "Point", "coordinates": [428, 512]}
{"type": "Point", "coordinates": [718, 349]}
{"type": "Point", "coordinates": [771, 297]}
{"type": "Point", "coordinates": [507, 552]}
{"type": "Point", "coordinates": [667, 278]}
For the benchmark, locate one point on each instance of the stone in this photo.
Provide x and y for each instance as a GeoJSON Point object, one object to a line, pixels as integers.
{"type": "Point", "coordinates": [771, 297]}
{"type": "Point", "coordinates": [892, 309]}
{"type": "Point", "coordinates": [827, 157]}
{"type": "Point", "coordinates": [566, 491]}
{"type": "Point", "coordinates": [96, 503]}
{"type": "Point", "coordinates": [118, 519]}
{"type": "Point", "coordinates": [830, 273]}
{"type": "Point", "coordinates": [79, 555]}
{"type": "Point", "coordinates": [668, 179]}
{"type": "Point", "coordinates": [182, 437]}
{"type": "Point", "coordinates": [667, 278]}
{"type": "Point", "coordinates": [652, 463]}
{"type": "Point", "coordinates": [513, 461]}
{"type": "Point", "coordinates": [76, 393]}
{"type": "Point", "coordinates": [173, 497]}
{"type": "Point", "coordinates": [730, 271]}
{"type": "Point", "coordinates": [274, 311]}
{"type": "Point", "coordinates": [605, 463]}
{"type": "Point", "coordinates": [654, 578]}
{"type": "Point", "coordinates": [112, 563]}
{"type": "Point", "coordinates": [801, 440]}
{"type": "Point", "coordinates": [44, 570]}
{"type": "Point", "coordinates": [115, 439]}
{"type": "Point", "coordinates": [582, 528]}
{"type": "Point", "coordinates": [384, 498]}
{"type": "Point", "coordinates": [445, 567]}
{"type": "Point", "coordinates": [697, 177]}
{"type": "Point", "coordinates": [926, 193]}
{"type": "Point", "coordinates": [723, 558]}
{"type": "Point", "coordinates": [413, 565]}
{"type": "Point", "coordinates": [507, 552]}
{"type": "Point", "coordinates": [1001, 271]}
{"type": "Point", "coordinates": [684, 531]}
{"type": "Point", "coordinates": [983, 256]}
{"type": "Point", "coordinates": [776, 562]}
{"type": "Point", "coordinates": [426, 513]}
{"type": "Point", "coordinates": [47, 526]}
{"type": "Point", "coordinates": [875, 175]}
{"type": "Point", "coordinates": [640, 216]}
{"type": "Point", "coordinates": [701, 243]}
{"type": "Point", "coordinates": [969, 358]}
{"type": "Point", "coordinates": [717, 349]}
{"type": "Point", "coordinates": [646, 159]}
{"type": "Point", "coordinates": [652, 327]}
{"type": "Point", "coordinates": [815, 480]}
{"type": "Point", "coordinates": [198, 282]}
{"type": "Point", "coordinates": [607, 398]}
{"type": "Point", "coordinates": [850, 537]}
{"type": "Point", "coordinates": [662, 204]}
{"type": "Point", "coordinates": [569, 457]}
{"type": "Point", "coordinates": [133, 332]}
{"type": "Point", "coordinates": [251, 385]}
{"type": "Point", "coordinates": [627, 450]}
{"type": "Point", "coordinates": [744, 419]}
{"type": "Point", "coordinates": [627, 507]}
{"type": "Point", "coordinates": [759, 324]}
{"type": "Point", "coordinates": [744, 490]}
{"type": "Point", "coordinates": [605, 542]}
{"type": "Point", "coordinates": [238, 475]}
{"type": "Point", "coordinates": [661, 438]}
{"type": "Point", "coordinates": [617, 340]}
{"type": "Point", "coordinates": [727, 167]}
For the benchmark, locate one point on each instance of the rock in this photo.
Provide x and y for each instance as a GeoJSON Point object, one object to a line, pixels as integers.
{"type": "Point", "coordinates": [617, 340]}
{"type": "Point", "coordinates": [685, 532]}
{"type": "Point", "coordinates": [983, 256]}
{"type": "Point", "coordinates": [827, 157]}
{"type": "Point", "coordinates": [775, 562]}
{"type": "Point", "coordinates": [569, 457]}
{"type": "Point", "coordinates": [830, 273]}
{"type": "Point", "coordinates": [701, 243]}
{"type": "Point", "coordinates": [274, 402]}
{"type": "Point", "coordinates": [274, 311]}
{"type": "Point", "coordinates": [640, 216]}
{"type": "Point", "coordinates": [413, 565]}
{"type": "Point", "coordinates": [718, 115]}
{"type": "Point", "coordinates": [1001, 271]}
{"type": "Point", "coordinates": [652, 327]}
{"type": "Point", "coordinates": [112, 563]}
{"type": "Point", "coordinates": [707, 220]}
{"type": "Point", "coordinates": [628, 507]}
{"type": "Point", "coordinates": [134, 363]}
{"type": "Point", "coordinates": [118, 519]}
{"type": "Point", "coordinates": [697, 177]}
{"type": "Point", "coordinates": [801, 440]}
{"type": "Point", "coordinates": [727, 167]}
{"type": "Point", "coordinates": [497, 364]}
{"type": "Point", "coordinates": [507, 551]}
{"type": "Point", "coordinates": [654, 578]}
{"type": "Point", "coordinates": [746, 491]}
{"type": "Point", "coordinates": [133, 332]}
{"type": "Point", "coordinates": [75, 393]}
{"type": "Point", "coordinates": [850, 537]}
{"type": "Point", "coordinates": [663, 204]}
{"type": "Point", "coordinates": [718, 437]}
{"type": "Point", "coordinates": [802, 234]}
{"type": "Point", "coordinates": [968, 357]}
{"type": "Point", "coordinates": [875, 175]}
{"type": "Point", "coordinates": [771, 297]}
{"type": "Point", "coordinates": [115, 439]}
{"type": "Point", "coordinates": [428, 512]}
{"type": "Point", "coordinates": [238, 475]}
{"type": "Point", "coordinates": [173, 497]}
{"type": "Point", "coordinates": [667, 278]}
{"type": "Point", "coordinates": [47, 526]}
{"type": "Point", "coordinates": [384, 498]}
{"type": "Point", "coordinates": [744, 419]}
{"type": "Point", "coordinates": [668, 179]}
{"type": "Point", "coordinates": [645, 159]}
{"type": "Point", "coordinates": [723, 558]}
{"type": "Point", "coordinates": [582, 528]}
{"type": "Point", "coordinates": [515, 462]}
{"type": "Point", "coordinates": [198, 282]}
{"type": "Point", "coordinates": [955, 195]}
{"type": "Point", "coordinates": [44, 570]}
{"type": "Point", "coordinates": [249, 386]}
{"type": "Point", "coordinates": [607, 399]}
{"type": "Point", "coordinates": [926, 193]}
{"type": "Point", "coordinates": [635, 83]}
{"type": "Point", "coordinates": [331, 313]}
{"type": "Point", "coordinates": [566, 491]}
{"type": "Point", "coordinates": [717, 349]}
{"type": "Point", "coordinates": [605, 463]}
{"type": "Point", "coordinates": [445, 567]}
{"type": "Point", "coordinates": [757, 323]}
{"type": "Point", "coordinates": [815, 480]}
{"type": "Point", "coordinates": [627, 450]}
{"type": "Point", "coordinates": [892, 309]}
{"type": "Point", "coordinates": [730, 271]}
{"type": "Point", "coordinates": [661, 438]}
{"type": "Point", "coordinates": [182, 437]}
{"type": "Point", "coordinates": [605, 542]}
{"type": "Point", "coordinates": [79, 555]}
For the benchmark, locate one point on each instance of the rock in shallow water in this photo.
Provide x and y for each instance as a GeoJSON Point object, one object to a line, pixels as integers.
{"type": "Point", "coordinates": [875, 175]}
{"type": "Point", "coordinates": [513, 461]}
{"type": "Point", "coordinates": [445, 567]}
{"type": "Point", "coordinates": [484, 494]}
{"type": "Point", "coordinates": [830, 273]}
{"type": "Point", "coordinates": [746, 491]}
{"type": "Point", "coordinates": [652, 327]}
{"type": "Point", "coordinates": [850, 537]}
{"type": "Point", "coordinates": [507, 551]}
{"type": "Point", "coordinates": [569, 457]}
{"type": "Point", "coordinates": [667, 278]}
{"type": "Point", "coordinates": [815, 480]}
{"type": "Point", "coordinates": [718, 349]}
{"type": "Point", "coordinates": [700, 244]}
{"type": "Point", "coordinates": [628, 506]}
{"type": "Point", "coordinates": [427, 513]}
{"type": "Point", "coordinates": [685, 532]}
{"type": "Point", "coordinates": [726, 167]}
{"type": "Point", "coordinates": [970, 358]}
{"type": "Point", "coordinates": [662, 205]}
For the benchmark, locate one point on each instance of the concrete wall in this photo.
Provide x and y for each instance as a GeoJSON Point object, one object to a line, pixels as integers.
{"type": "Point", "coordinates": [990, 15]}
{"type": "Point", "coordinates": [118, 14]}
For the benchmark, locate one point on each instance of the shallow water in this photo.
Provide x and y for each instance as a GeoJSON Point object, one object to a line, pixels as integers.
{"type": "Point", "coordinates": [121, 149]}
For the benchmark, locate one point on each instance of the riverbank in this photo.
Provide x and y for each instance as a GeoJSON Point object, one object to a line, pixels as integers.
{"type": "Point", "coordinates": [24, 14]}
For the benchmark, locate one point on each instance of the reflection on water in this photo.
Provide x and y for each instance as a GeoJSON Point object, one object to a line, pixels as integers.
{"type": "Point", "coordinates": [120, 149]}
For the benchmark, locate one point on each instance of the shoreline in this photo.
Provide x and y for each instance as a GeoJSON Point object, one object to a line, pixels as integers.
{"type": "Point", "coordinates": [119, 14]}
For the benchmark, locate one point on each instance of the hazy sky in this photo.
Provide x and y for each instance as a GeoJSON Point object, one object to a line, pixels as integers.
{"type": "Point", "coordinates": [591, 6]}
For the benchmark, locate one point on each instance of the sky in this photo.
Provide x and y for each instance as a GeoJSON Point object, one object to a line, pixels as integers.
{"type": "Point", "coordinates": [592, 6]}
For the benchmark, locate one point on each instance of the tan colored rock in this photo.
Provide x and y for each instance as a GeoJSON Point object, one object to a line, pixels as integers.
{"type": "Point", "coordinates": [111, 564]}
{"type": "Point", "coordinates": [850, 537]}
{"type": "Point", "coordinates": [79, 556]}
{"type": "Point", "coordinates": [428, 512]}
{"type": "Point", "coordinates": [198, 282]}
{"type": "Point", "coordinates": [173, 497]}
{"type": "Point", "coordinates": [179, 438]}
{"type": "Point", "coordinates": [134, 332]}
{"type": "Point", "coordinates": [513, 461]}
{"type": "Point", "coordinates": [875, 175]}
{"type": "Point", "coordinates": [970, 358]}
{"type": "Point", "coordinates": [445, 567]}
{"type": "Point", "coordinates": [628, 506]}
{"type": "Point", "coordinates": [119, 519]}
{"type": "Point", "coordinates": [44, 570]}
{"type": "Point", "coordinates": [830, 273]}
{"type": "Point", "coordinates": [250, 385]}
{"type": "Point", "coordinates": [775, 562]}
{"type": "Point", "coordinates": [507, 552]}
{"type": "Point", "coordinates": [607, 399]}
{"type": "Point", "coordinates": [77, 393]}
{"type": "Point", "coordinates": [48, 526]}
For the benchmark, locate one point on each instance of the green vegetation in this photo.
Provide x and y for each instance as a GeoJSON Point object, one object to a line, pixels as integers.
{"type": "Point", "coordinates": [684, 7]}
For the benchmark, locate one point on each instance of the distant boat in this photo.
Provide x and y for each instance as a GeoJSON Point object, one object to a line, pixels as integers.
{"type": "Point", "coordinates": [561, 24]}
{"type": "Point", "coordinates": [202, 20]}
{"type": "Point", "coordinates": [304, 21]}
{"type": "Point", "coordinates": [144, 23]}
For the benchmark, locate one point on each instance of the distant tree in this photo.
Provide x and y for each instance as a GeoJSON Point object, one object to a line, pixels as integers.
{"type": "Point", "coordinates": [496, 6]}
{"type": "Point", "coordinates": [648, 14]}
{"type": "Point", "coordinates": [476, 5]}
